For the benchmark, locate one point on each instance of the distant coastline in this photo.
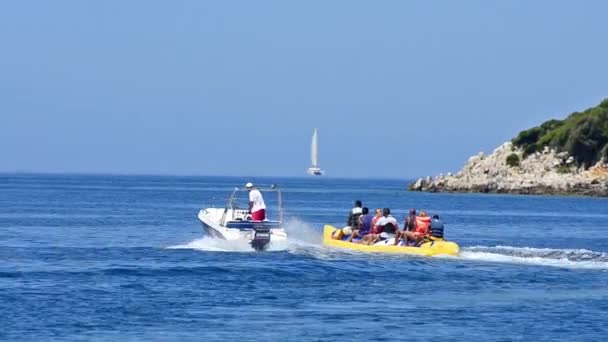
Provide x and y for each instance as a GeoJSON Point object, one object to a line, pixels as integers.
{"type": "Point", "coordinates": [559, 157]}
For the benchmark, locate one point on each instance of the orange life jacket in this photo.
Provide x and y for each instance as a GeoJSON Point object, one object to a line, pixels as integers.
{"type": "Point", "coordinates": [422, 224]}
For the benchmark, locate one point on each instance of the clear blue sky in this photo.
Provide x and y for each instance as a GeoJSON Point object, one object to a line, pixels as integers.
{"type": "Point", "coordinates": [396, 88]}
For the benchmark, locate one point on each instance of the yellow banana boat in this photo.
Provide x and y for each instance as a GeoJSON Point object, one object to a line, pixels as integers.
{"type": "Point", "coordinates": [435, 247]}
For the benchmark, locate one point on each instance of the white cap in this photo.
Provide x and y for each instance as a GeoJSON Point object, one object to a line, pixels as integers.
{"type": "Point", "coordinates": [249, 185]}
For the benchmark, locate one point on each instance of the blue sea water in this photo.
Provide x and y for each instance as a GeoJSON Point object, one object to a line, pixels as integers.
{"type": "Point", "coordinates": [123, 258]}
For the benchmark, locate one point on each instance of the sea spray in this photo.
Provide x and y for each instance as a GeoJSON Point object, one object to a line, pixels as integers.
{"type": "Point", "coordinates": [210, 244]}
{"type": "Point", "coordinates": [300, 232]}
{"type": "Point", "coordinates": [300, 235]}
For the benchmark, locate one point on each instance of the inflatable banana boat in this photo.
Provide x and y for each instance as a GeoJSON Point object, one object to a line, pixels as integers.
{"type": "Point", "coordinates": [435, 247]}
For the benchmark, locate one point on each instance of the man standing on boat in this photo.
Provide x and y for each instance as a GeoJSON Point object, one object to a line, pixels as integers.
{"type": "Point", "coordinates": [257, 208]}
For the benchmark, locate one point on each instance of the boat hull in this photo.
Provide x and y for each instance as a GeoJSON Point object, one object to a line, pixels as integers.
{"type": "Point", "coordinates": [438, 247]}
{"type": "Point", "coordinates": [315, 171]}
{"type": "Point", "coordinates": [211, 231]}
{"type": "Point", "coordinates": [245, 231]}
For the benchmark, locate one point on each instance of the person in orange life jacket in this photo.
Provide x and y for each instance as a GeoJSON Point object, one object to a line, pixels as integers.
{"type": "Point", "coordinates": [421, 230]}
{"type": "Point", "coordinates": [257, 208]}
{"type": "Point", "coordinates": [364, 225]}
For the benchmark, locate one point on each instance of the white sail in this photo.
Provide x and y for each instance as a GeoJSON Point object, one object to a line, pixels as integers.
{"type": "Point", "coordinates": [314, 156]}
{"type": "Point", "coordinates": [314, 153]}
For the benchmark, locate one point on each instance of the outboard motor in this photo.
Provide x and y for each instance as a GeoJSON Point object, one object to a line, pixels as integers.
{"type": "Point", "coordinates": [261, 238]}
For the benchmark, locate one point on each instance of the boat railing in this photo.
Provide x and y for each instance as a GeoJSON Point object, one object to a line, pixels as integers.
{"type": "Point", "coordinates": [234, 213]}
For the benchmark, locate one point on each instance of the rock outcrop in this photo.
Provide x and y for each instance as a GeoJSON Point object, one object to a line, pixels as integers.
{"type": "Point", "coordinates": [506, 170]}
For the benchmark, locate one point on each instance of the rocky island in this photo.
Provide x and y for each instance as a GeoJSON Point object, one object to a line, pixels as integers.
{"type": "Point", "coordinates": [559, 157]}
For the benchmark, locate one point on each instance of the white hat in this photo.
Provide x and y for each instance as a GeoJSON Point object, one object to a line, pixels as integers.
{"type": "Point", "coordinates": [249, 185]}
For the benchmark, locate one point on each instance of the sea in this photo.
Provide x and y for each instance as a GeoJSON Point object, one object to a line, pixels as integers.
{"type": "Point", "coordinates": [124, 258]}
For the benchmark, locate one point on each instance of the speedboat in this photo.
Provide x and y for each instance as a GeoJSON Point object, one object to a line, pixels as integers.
{"type": "Point", "coordinates": [430, 248]}
{"type": "Point", "coordinates": [233, 222]}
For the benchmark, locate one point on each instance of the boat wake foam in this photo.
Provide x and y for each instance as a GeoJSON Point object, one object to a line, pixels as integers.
{"type": "Point", "coordinates": [304, 239]}
{"type": "Point", "coordinates": [300, 236]}
{"type": "Point", "coordinates": [210, 244]}
{"type": "Point", "coordinates": [563, 258]}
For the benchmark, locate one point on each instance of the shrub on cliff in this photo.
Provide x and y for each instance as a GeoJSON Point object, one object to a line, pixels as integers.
{"type": "Point", "coordinates": [513, 160]}
{"type": "Point", "coordinates": [583, 135]}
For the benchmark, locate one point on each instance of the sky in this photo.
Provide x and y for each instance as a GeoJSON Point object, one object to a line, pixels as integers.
{"type": "Point", "coordinates": [397, 89]}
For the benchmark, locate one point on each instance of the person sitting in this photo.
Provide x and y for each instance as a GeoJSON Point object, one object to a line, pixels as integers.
{"type": "Point", "coordinates": [376, 229]}
{"type": "Point", "coordinates": [353, 217]}
{"type": "Point", "coordinates": [388, 223]}
{"type": "Point", "coordinates": [351, 223]}
{"type": "Point", "coordinates": [410, 221]}
{"type": "Point", "coordinates": [420, 231]}
{"type": "Point", "coordinates": [364, 226]}
{"type": "Point", "coordinates": [408, 226]}
{"type": "Point", "coordinates": [372, 237]}
{"type": "Point", "coordinates": [436, 229]}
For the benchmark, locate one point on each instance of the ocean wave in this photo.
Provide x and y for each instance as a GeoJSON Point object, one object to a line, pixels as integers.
{"type": "Point", "coordinates": [564, 258]}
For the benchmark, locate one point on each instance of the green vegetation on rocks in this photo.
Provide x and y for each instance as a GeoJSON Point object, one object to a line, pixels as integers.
{"type": "Point", "coordinates": [558, 157]}
{"type": "Point", "coordinates": [513, 160]}
{"type": "Point", "coordinates": [584, 135]}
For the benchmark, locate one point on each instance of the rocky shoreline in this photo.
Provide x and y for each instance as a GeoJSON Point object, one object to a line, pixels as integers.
{"type": "Point", "coordinates": [507, 170]}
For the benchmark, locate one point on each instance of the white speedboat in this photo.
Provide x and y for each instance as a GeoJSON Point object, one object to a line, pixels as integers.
{"type": "Point", "coordinates": [233, 222]}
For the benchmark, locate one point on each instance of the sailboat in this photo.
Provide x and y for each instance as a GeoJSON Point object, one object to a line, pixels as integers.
{"type": "Point", "coordinates": [314, 169]}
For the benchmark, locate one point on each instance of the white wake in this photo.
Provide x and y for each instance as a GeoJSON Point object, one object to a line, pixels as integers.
{"type": "Point", "coordinates": [300, 236]}
{"type": "Point", "coordinates": [304, 239]}
{"type": "Point", "coordinates": [564, 258]}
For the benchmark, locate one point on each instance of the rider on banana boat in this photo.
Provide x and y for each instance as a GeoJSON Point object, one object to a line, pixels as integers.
{"type": "Point", "coordinates": [353, 217]}
{"type": "Point", "coordinates": [421, 230]}
{"type": "Point", "coordinates": [387, 225]}
{"type": "Point", "coordinates": [410, 221]}
{"type": "Point", "coordinates": [437, 228]}
{"type": "Point", "coordinates": [365, 225]}
{"type": "Point", "coordinates": [352, 222]}
{"type": "Point", "coordinates": [376, 229]}
{"type": "Point", "coordinates": [372, 237]}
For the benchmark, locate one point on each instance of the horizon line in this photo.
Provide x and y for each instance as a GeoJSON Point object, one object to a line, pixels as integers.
{"type": "Point", "coordinates": [137, 174]}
